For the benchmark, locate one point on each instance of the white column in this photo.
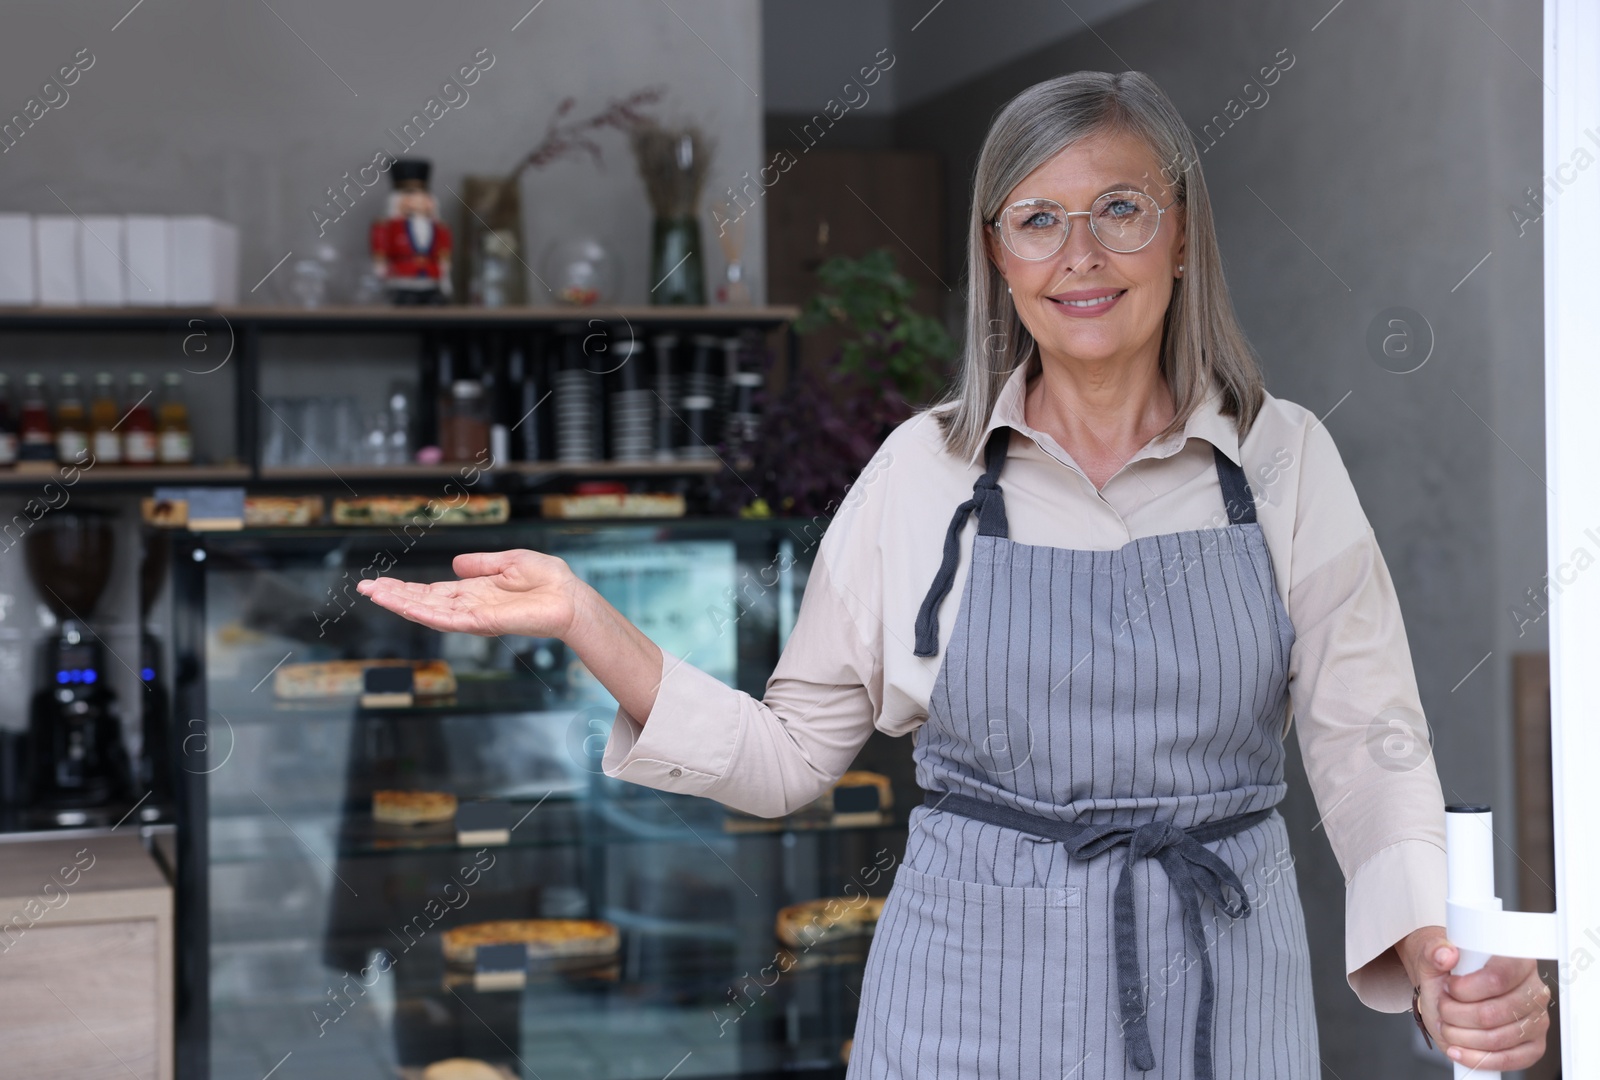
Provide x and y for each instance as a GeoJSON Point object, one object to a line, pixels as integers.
{"type": "Point", "coordinates": [1572, 461]}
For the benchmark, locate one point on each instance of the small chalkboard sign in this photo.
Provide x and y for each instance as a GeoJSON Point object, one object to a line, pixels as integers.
{"type": "Point", "coordinates": [500, 967]}
{"type": "Point", "coordinates": [387, 687]}
{"type": "Point", "coordinates": [483, 823]}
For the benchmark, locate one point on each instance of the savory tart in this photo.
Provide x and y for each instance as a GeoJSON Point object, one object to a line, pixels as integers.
{"type": "Point", "coordinates": [607, 504]}
{"type": "Point", "coordinates": [828, 920]}
{"type": "Point", "coordinates": [412, 807]}
{"type": "Point", "coordinates": [269, 511]}
{"type": "Point", "coordinates": [343, 678]}
{"type": "Point", "coordinates": [421, 510]}
{"type": "Point", "coordinates": [544, 938]}
{"type": "Point", "coordinates": [462, 1069]}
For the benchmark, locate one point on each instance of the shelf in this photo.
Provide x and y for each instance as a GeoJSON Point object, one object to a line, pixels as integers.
{"type": "Point", "coordinates": [473, 697]}
{"type": "Point", "coordinates": [324, 477]}
{"type": "Point", "coordinates": [449, 470]}
{"type": "Point", "coordinates": [126, 475]}
{"type": "Point", "coordinates": [381, 318]}
{"type": "Point", "coordinates": [247, 832]}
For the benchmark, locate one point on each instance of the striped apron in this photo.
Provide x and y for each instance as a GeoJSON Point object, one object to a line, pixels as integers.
{"type": "Point", "coordinates": [1098, 884]}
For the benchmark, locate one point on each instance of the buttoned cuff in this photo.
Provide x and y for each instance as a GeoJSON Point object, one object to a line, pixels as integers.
{"type": "Point", "coordinates": [689, 737]}
{"type": "Point", "coordinates": [1398, 889]}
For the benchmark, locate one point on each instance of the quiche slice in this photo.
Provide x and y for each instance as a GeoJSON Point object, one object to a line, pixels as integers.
{"type": "Point", "coordinates": [343, 678]}
{"type": "Point", "coordinates": [828, 920]}
{"type": "Point", "coordinates": [412, 807]}
{"type": "Point", "coordinates": [462, 1069]}
{"type": "Point", "coordinates": [544, 938]}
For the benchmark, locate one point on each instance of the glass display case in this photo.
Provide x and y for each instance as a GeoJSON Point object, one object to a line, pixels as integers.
{"type": "Point", "coordinates": [502, 899]}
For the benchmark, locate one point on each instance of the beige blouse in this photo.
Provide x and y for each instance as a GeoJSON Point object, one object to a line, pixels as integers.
{"type": "Point", "coordinates": [848, 665]}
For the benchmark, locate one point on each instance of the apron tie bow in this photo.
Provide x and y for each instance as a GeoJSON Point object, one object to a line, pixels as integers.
{"type": "Point", "coordinates": [1192, 869]}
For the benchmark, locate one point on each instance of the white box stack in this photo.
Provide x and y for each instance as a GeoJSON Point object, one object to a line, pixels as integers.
{"type": "Point", "coordinates": [204, 261]}
{"type": "Point", "coordinates": [55, 253]}
{"type": "Point", "coordinates": [101, 261]}
{"type": "Point", "coordinates": [16, 260]}
{"type": "Point", "coordinates": [147, 270]}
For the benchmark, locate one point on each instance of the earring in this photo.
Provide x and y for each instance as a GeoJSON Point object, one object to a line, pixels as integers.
{"type": "Point", "coordinates": [1180, 268]}
{"type": "Point", "coordinates": [1008, 290]}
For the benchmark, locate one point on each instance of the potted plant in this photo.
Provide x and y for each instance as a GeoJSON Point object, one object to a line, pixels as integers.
{"type": "Point", "coordinates": [821, 430]}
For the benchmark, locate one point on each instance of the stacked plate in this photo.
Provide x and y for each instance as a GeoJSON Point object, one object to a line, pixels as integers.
{"type": "Point", "coordinates": [667, 422]}
{"type": "Point", "coordinates": [577, 401]}
{"type": "Point", "coordinates": [633, 424]}
{"type": "Point", "coordinates": [665, 381]}
{"type": "Point", "coordinates": [702, 385]}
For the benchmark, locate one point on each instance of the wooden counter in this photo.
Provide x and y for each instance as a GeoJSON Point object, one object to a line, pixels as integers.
{"type": "Point", "coordinates": [85, 960]}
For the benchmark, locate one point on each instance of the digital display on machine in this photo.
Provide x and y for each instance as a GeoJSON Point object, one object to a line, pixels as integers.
{"type": "Point", "coordinates": [76, 664]}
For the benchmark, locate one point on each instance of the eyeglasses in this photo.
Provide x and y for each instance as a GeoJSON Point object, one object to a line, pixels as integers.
{"type": "Point", "coordinates": [1124, 221]}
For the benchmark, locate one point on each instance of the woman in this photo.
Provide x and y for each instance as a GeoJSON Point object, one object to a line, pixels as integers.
{"type": "Point", "coordinates": [1168, 565]}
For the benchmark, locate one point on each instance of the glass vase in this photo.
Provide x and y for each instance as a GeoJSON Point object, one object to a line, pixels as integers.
{"type": "Point", "coordinates": [677, 267]}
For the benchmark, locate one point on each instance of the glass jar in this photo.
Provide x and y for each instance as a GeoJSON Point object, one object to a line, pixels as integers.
{"type": "Point", "coordinates": [464, 427]}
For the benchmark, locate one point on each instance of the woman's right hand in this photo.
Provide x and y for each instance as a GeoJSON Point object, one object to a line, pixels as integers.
{"type": "Point", "coordinates": [500, 592]}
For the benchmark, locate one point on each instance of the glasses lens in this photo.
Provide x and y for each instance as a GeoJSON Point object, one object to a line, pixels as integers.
{"type": "Point", "coordinates": [1125, 220]}
{"type": "Point", "coordinates": [1034, 229]}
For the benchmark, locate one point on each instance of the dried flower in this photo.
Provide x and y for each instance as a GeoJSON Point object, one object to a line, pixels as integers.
{"type": "Point", "coordinates": [673, 164]}
{"type": "Point", "coordinates": [563, 137]}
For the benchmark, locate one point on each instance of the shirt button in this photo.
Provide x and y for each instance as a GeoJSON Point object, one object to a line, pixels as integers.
{"type": "Point", "coordinates": [676, 772]}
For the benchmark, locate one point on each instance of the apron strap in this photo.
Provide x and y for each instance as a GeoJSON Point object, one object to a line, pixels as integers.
{"type": "Point", "coordinates": [1235, 490]}
{"type": "Point", "coordinates": [989, 503]}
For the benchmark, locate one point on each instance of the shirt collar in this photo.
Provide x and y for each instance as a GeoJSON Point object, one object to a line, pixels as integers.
{"type": "Point", "coordinates": [1205, 422]}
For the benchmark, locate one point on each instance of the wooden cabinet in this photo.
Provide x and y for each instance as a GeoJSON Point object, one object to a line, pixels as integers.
{"type": "Point", "coordinates": [85, 960]}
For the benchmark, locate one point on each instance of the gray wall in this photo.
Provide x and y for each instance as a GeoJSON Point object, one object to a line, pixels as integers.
{"type": "Point", "coordinates": [1393, 149]}
{"type": "Point", "coordinates": [200, 107]}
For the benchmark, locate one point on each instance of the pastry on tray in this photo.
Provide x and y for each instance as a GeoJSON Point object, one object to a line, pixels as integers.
{"type": "Point", "coordinates": [420, 510]}
{"type": "Point", "coordinates": [546, 939]}
{"type": "Point", "coordinates": [829, 920]}
{"type": "Point", "coordinates": [343, 678]}
{"type": "Point", "coordinates": [270, 511]}
{"type": "Point", "coordinates": [463, 1069]}
{"type": "Point", "coordinates": [412, 807]}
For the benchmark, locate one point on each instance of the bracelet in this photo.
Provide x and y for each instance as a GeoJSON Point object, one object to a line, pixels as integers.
{"type": "Point", "coordinates": [1416, 1013]}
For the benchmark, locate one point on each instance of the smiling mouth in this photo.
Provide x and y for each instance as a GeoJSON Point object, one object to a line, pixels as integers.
{"type": "Point", "coordinates": [1083, 305]}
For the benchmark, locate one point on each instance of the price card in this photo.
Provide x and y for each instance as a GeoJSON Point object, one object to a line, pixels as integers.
{"type": "Point", "coordinates": [483, 823]}
{"type": "Point", "coordinates": [210, 509]}
{"type": "Point", "coordinates": [391, 687]}
{"type": "Point", "coordinates": [500, 967]}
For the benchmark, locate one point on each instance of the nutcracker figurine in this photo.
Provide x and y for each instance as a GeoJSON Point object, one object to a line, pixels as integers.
{"type": "Point", "coordinates": [411, 247]}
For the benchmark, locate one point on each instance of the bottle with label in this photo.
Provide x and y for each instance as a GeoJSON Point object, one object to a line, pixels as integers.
{"type": "Point", "coordinates": [72, 422]}
{"type": "Point", "coordinates": [139, 424]}
{"type": "Point", "coordinates": [8, 424]}
{"type": "Point", "coordinates": [174, 444]}
{"type": "Point", "coordinates": [38, 433]}
{"type": "Point", "coordinates": [105, 442]}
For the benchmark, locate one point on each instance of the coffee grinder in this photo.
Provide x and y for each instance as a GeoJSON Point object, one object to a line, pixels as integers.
{"type": "Point", "coordinates": [79, 760]}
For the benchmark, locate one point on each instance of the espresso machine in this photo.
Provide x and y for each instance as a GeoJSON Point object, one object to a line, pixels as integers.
{"type": "Point", "coordinates": [80, 766]}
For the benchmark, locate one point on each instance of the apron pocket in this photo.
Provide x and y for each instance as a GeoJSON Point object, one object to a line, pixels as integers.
{"type": "Point", "coordinates": [966, 979]}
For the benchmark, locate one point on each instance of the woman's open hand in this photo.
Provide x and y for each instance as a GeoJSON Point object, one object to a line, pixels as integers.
{"type": "Point", "coordinates": [499, 592]}
{"type": "Point", "coordinates": [1494, 1019]}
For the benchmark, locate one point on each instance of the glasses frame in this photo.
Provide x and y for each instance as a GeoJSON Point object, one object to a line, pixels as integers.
{"type": "Point", "coordinates": [1161, 213]}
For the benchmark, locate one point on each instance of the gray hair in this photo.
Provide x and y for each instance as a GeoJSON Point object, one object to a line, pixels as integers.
{"type": "Point", "coordinates": [1202, 345]}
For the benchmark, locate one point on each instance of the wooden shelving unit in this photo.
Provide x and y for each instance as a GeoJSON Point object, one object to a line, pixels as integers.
{"type": "Point", "coordinates": [245, 328]}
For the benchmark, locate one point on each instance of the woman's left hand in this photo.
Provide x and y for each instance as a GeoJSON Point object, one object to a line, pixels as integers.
{"type": "Point", "coordinates": [1494, 1019]}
